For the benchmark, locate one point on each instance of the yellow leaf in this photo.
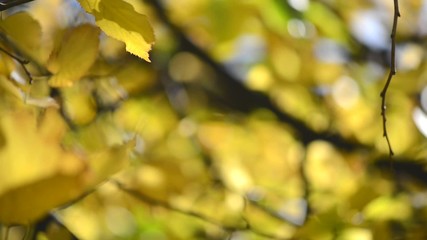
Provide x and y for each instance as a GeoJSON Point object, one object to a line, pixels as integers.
{"type": "Point", "coordinates": [27, 203]}
{"type": "Point", "coordinates": [27, 36]}
{"type": "Point", "coordinates": [36, 174]}
{"type": "Point", "coordinates": [119, 20]}
{"type": "Point", "coordinates": [89, 5]}
{"type": "Point", "coordinates": [380, 208]}
{"type": "Point", "coordinates": [110, 161]}
{"type": "Point", "coordinates": [71, 60]}
{"type": "Point", "coordinates": [79, 105]}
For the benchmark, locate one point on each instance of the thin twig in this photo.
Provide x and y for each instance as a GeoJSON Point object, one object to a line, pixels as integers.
{"type": "Point", "coordinates": [22, 62]}
{"type": "Point", "coordinates": [390, 75]}
{"type": "Point", "coordinates": [21, 57]}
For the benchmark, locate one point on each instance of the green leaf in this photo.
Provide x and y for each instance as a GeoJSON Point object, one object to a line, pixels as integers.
{"type": "Point", "coordinates": [328, 23]}
{"type": "Point", "coordinates": [119, 20]}
{"type": "Point", "coordinates": [71, 60]}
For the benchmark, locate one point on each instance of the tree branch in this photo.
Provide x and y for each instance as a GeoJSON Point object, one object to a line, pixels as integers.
{"type": "Point", "coordinates": [390, 75]}
{"type": "Point", "coordinates": [238, 97]}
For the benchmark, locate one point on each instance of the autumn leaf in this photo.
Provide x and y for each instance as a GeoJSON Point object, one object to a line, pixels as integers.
{"type": "Point", "coordinates": [27, 36]}
{"type": "Point", "coordinates": [71, 60]}
{"type": "Point", "coordinates": [78, 104]}
{"type": "Point", "coordinates": [119, 20]}
{"type": "Point", "coordinates": [24, 204]}
{"type": "Point", "coordinates": [36, 173]}
{"type": "Point", "coordinates": [110, 161]}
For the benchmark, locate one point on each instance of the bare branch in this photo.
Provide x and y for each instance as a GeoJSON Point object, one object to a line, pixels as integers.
{"type": "Point", "coordinates": [390, 75]}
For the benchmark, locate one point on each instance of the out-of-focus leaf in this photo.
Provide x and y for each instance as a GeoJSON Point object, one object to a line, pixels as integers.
{"type": "Point", "coordinates": [327, 22]}
{"type": "Point", "coordinates": [362, 196]}
{"type": "Point", "coordinates": [325, 167]}
{"type": "Point", "coordinates": [275, 14]}
{"type": "Point", "coordinates": [119, 20]}
{"type": "Point", "coordinates": [27, 36]}
{"type": "Point", "coordinates": [8, 89]}
{"type": "Point", "coordinates": [110, 161]}
{"type": "Point", "coordinates": [153, 120]}
{"type": "Point", "coordinates": [322, 226]}
{"type": "Point", "coordinates": [356, 234]}
{"type": "Point", "coordinates": [389, 208]}
{"type": "Point", "coordinates": [27, 203]}
{"type": "Point", "coordinates": [272, 226]}
{"type": "Point", "coordinates": [36, 174]}
{"type": "Point", "coordinates": [71, 60]}
{"type": "Point", "coordinates": [79, 105]}
{"type": "Point", "coordinates": [135, 78]}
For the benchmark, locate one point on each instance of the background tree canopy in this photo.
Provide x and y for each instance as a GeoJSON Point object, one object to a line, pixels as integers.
{"type": "Point", "coordinates": [211, 119]}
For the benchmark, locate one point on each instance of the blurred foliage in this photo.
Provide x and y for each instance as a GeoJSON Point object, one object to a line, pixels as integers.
{"type": "Point", "coordinates": [250, 119]}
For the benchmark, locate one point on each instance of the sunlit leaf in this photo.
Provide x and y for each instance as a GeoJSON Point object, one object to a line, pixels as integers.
{"type": "Point", "coordinates": [71, 60]}
{"type": "Point", "coordinates": [119, 20]}
{"type": "Point", "coordinates": [379, 209]}
{"type": "Point", "coordinates": [356, 234]}
{"type": "Point", "coordinates": [36, 174]}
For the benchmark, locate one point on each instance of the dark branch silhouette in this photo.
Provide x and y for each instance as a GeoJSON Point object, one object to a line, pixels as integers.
{"type": "Point", "coordinates": [238, 97]}
{"type": "Point", "coordinates": [6, 4]}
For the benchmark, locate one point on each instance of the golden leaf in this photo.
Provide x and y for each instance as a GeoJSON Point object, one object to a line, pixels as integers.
{"type": "Point", "coordinates": [119, 20]}
{"type": "Point", "coordinates": [36, 174]}
{"type": "Point", "coordinates": [110, 161]}
{"type": "Point", "coordinates": [71, 60]}
{"type": "Point", "coordinates": [27, 36]}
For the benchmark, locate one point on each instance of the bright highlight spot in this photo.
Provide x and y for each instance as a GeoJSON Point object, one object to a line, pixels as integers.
{"type": "Point", "coordinates": [300, 5]}
{"type": "Point", "coordinates": [345, 92]}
